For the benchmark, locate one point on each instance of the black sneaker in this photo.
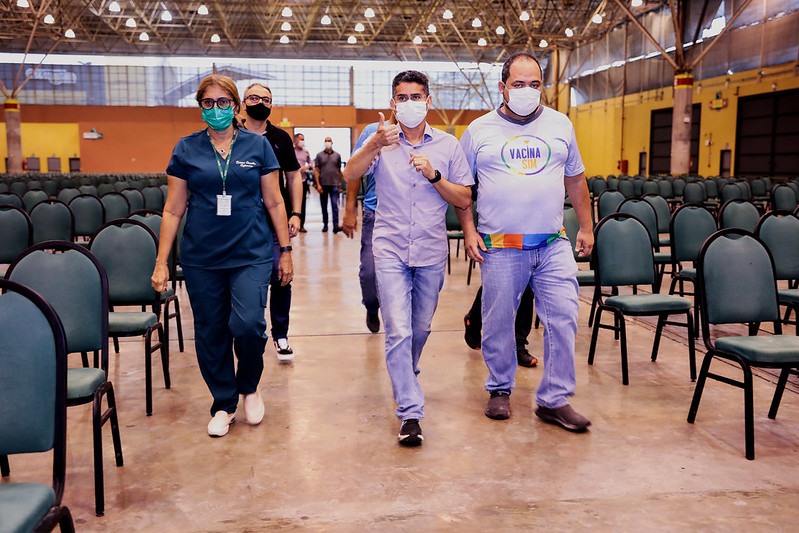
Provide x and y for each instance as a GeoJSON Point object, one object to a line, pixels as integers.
{"type": "Point", "coordinates": [324, 228]}
{"type": "Point", "coordinates": [471, 334]}
{"type": "Point", "coordinates": [410, 433]}
{"type": "Point", "coordinates": [498, 407]}
{"type": "Point", "coordinates": [337, 229]}
{"type": "Point", "coordinates": [373, 322]}
{"type": "Point", "coordinates": [524, 357]}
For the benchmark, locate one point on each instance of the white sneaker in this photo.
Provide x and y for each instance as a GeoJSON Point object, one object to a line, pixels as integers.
{"type": "Point", "coordinates": [220, 423]}
{"type": "Point", "coordinates": [253, 408]}
{"type": "Point", "coordinates": [284, 351]}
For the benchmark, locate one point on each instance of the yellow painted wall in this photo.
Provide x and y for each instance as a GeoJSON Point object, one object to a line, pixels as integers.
{"type": "Point", "coordinates": [604, 138]}
{"type": "Point", "coordinates": [46, 140]}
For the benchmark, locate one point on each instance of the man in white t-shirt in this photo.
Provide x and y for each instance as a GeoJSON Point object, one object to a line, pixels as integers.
{"type": "Point", "coordinates": [525, 158]}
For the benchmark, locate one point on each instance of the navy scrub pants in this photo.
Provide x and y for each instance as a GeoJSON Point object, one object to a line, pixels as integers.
{"type": "Point", "coordinates": [228, 306]}
{"type": "Point", "coordinates": [280, 299]}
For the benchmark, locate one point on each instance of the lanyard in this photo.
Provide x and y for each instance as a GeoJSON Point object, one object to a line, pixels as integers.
{"type": "Point", "coordinates": [223, 173]}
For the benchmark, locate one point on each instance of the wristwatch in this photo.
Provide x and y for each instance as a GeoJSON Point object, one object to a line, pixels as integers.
{"type": "Point", "coordinates": [285, 248]}
{"type": "Point", "coordinates": [437, 178]}
{"type": "Point", "coordinates": [295, 214]}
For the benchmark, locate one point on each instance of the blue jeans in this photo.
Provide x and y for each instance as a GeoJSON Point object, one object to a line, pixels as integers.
{"type": "Point", "coordinates": [332, 192]}
{"type": "Point", "coordinates": [366, 274]}
{"type": "Point", "coordinates": [280, 299]}
{"type": "Point", "coordinates": [408, 299]}
{"type": "Point", "coordinates": [551, 272]}
{"type": "Point", "coordinates": [228, 307]}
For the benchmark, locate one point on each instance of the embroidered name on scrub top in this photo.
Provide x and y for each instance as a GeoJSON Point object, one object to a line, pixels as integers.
{"type": "Point", "coordinates": [224, 202]}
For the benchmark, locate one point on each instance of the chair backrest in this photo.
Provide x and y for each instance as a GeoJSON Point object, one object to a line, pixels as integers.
{"type": "Point", "coordinates": [32, 198]}
{"type": "Point", "coordinates": [74, 282]}
{"type": "Point", "coordinates": [153, 198]}
{"type": "Point", "coordinates": [627, 188]}
{"type": "Point", "coordinates": [711, 188]}
{"type": "Point", "coordinates": [116, 206]}
{"type": "Point", "coordinates": [33, 378]}
{"type": "Point", "coordinates": [644, 212]}
{"type": "Point", "coordinates": [11, 198]}
{"type": "Point", "coordinates": [135, 199]}
{"type": "Point", "coordinates": [665, 189]}
{"type": "Point", "coordinates": [104, 188]}
{"type": "Point", "coordinates": [738, 213]}
{"type": "Point", "coordinates": [66, 195]}
{"type": "Point", "coordinates": [638, 186]}
{"type": "Point", "coordinates": [731, 191]}
{"type": "Point", "coordinates": [678, 185]}
{"type": "Point", "coordinates": [120, 186]}
{"type": "Point", "coordinates": [18, 187]}
{"type": "Point", "coordinates": [89, 213]}
{"type": "Point", "coordinates": [650, 187]}
{"type": "Point", "coordinates": [661, 210]}
{"type": "Point", "coordinates": [758, 187]}
{"type": "Point", "coordinates": [613, 183]}
{"type": "Point", "coordinates": [65, 183]}
{"type": "Point", "coordinates": [453, 224]}
{"type": "Point", "coordinates": [127, 250]}
{"type": "Point", "coordinates": [779, 230]}
{"type": "Point", "coordinates": [608, 202]}
{"type": "Point", "coordinates": [783, 197]}
{"type": "Point", "coordinates": [735, 274]}
{"type": "Point", "coordinates": [136, 184]}
{"type": "Point", "coordinates": [50, 187]}
{"type": "Point", "coordinates": [746, 189]}
{"type": "Point", "coordinates": [52, 221]}
{"type": "Point", "coordinates": [17, 232]}
{"type": "Point", "coordinates": [599, 186]}
{"type": "Point", "coordinates": [623, 251]}
{"type": "Point", "coordinates": [572, 226]}
{"type": "Point", "coordinates": [88, 189]}
{"type": "Point", "coordinates": [689, 228]}
{"type": "Point", "coordinates": [3, 186]}
{"type": "Point", "coordinates": [693, 193]}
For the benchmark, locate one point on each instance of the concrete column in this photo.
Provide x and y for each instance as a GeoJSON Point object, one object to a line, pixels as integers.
{"type": "Point", "coordinates": [681, 124]}
{"type": "Point", "coordinates": [13, 136]}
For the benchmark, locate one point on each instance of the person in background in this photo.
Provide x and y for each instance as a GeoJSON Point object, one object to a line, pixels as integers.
{"type": "Point", "coordinates": [306, 169]}
{"type": "Point", "coordinates": [328, 178]}
{"type": "Point", "coordinates": [232, 174]}
{"type": "Point", "coordinates": [366, 273]}
{"type": "Point", "coordinates": [257, 108]}
{"type": "Point", "coordinates": [417, 170]}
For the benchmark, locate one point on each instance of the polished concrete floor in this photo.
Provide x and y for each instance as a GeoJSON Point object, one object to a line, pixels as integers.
{"type": "Point", "coordinates": [326, 458]}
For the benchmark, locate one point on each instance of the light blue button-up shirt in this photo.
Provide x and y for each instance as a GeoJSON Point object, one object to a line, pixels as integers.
{"type": "Point", "coordinates": [410, 219]}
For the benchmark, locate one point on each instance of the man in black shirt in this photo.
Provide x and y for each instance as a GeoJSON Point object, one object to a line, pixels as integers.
{"type": "Point", "coordinates": [328, 177]}
{"type": "Point", "coordinates": [257, 107]}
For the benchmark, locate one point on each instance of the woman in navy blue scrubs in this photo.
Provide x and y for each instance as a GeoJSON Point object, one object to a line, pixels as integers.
{"type": "Point", "coordinates": [226, 251]}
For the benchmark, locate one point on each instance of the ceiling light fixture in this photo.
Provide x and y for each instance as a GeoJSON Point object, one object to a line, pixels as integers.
{"type": "Point", "coordinates": [113, 7]}
{"type": "Point", "coordinates": [543, 43]}
{"type": "Point", "coordinates": [285, 27]}
{"type": "Point", "coordinates": [369, 13]}
{"type": "Point", "coordinates": [431, 28]}
{"type": "Point", "coordinates": [359, 27]}
{"type": "Point", "coordinates": [482, 42]}
{"type": "Point", "coordinates": [166, 16]}
{"type": "Point", "coordinates": [500, 30]}
{"type": "Point", "coordinates": [326, 20]}
{"type": "Point", "coordinates": [417, 40]}
{"type": "Point", "coordinates": [130, 23]}
{"type": "Point", "coordinates": [476, 23]}
{"type": "Point", "coordinates": [48, 19]}
{"type": "Point", "coordinates": [569, 32]}
{"type": "Point", "coordinates": [215, 38]}
{"type": "Point", "coordinates": [597, 19]}
{"type": "Point", "coordinates": [69, 34]}
{"type": "Point", "coordinates": [284, 39]}
{"type": "Point", "coordinates": [447, 14]}
{"type": "Point", "coordinates": [202, 10]}
{"type": "Point", "coordinates": [524, 15]}
{"type": "Point", "coordinates": [636, 3]}
{"type": "Point", "coordinates": [143, 36]}
{"type": "Point", "coordinates": [23, 3]}
{"type": "Point", "coordinates": [287, 12]}
{"type": "Point", "coordinates": [351, 39]}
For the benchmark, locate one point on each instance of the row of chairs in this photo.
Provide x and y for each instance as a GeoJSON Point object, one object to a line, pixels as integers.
{"type": "Point", "coordinates": [91, 290]}
{"type": "Point", "coordinates": [147, 197]}
{"type": "Point", "coordinates": [55, 182]}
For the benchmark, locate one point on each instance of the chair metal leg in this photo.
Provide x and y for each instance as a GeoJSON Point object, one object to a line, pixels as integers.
{"type": "Point", "coordinates": [700, 385]}
{"type": "Point", "coordinates": [97, 438]}
{"type": "Point", "coordinates": [594, 334]}
{"type": "Point", "coordinates": [5, 469]}
{"type": "Point", "coordinates": [691, 345]}
{"type": "Point", "coordinates": [116, 344]}
{"type": "Point", "coordinates": [658, 333]}
{"type": "Point", "coordinates": [84, 358]}
{"type": "Point", "coordinates": [749, 412]}
{"type": "Point", "coordinates": [775, 402]}
{"type": "Point", "coordinates": [164, 348]}
{"type": "Point", "coordinates": [625, 378]}
{"type": "Point", "coordinates": [148, 373]}
{"type": "Point", "coordinates": [112, 418]}
{"type": "Point", "coordinates": [176, 315]}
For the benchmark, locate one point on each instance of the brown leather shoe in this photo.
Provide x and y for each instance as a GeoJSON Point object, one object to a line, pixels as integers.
{"type": "Point", "coordinates": [498, 407]}
{"type": "Point", "coordinates": [565, 416]}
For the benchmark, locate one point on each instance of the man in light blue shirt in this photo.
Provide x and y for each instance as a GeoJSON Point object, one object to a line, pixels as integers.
{"type": "Point", "coordinates": [366, 273]}
{"type": "Point", "coordinates": [417, 171]}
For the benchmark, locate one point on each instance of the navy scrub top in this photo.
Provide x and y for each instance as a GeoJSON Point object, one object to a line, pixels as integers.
{"type": "Point", "coordinates": [243, 238]}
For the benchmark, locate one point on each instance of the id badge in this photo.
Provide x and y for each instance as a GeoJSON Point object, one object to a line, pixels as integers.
{"type": "Point", "coordinates": [223, 205]}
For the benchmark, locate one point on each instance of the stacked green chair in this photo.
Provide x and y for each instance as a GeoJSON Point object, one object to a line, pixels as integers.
{"type": "Point", "coordinates": [17, 232]}
{"type": "Point", "coordinates": [737, 285]}
{"type": "Point", "coordinates": [623, 256]}
{"type": "Point", "coordinates": [33, 409]}
{"type": "Point", "coordinates": [74, 282]}
{"type": "Point", "coordinates": [127, 250]}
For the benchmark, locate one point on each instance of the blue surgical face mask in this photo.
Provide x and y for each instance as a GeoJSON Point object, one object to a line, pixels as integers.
{"type": "Point", "coordinates": [218, 119]}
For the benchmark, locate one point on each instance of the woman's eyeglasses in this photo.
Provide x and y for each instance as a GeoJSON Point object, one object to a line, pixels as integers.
{"type": "Point", "coordinates": [221, 103]}
{"type": "Point", "coordinates": [255, 99]}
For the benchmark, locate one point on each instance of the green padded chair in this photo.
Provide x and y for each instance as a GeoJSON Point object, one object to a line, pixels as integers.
{"type": "Point", "coordinates": [738, 213]}
{"type": "Point", "coordinates": [646, 213]}
{"type": "Point", "coordinates": [116, 206]}
{"type": "Point", "coordinates": [607, 202]}
{"type": "Point", "coordinates": [52, 221]}
{"type": "Point", "coordinates": [153, 198]}
{"type": "Point", "coordinates": [89, 213]}
{"type": "Point", "coordinates": [783, 197]}
{"type": "Point", "coordinates": [454, 233]}
{"type": "Point", "coordinates": [663, 213]}
{"type": "Point", "coordinates": [66, 195]}
{"type": "Point", "coordinates": [737, 285]}
{"type": "Point", "coordinates": [135, 198]}
{"type": "Point", "coordinates": [16, 230]}
{"type": "Point", "coordinates": [74, 282]}
{"type": "Point", "coordinates": [779, 230]}
{"type": "Point", "coordinates": [623, 257]}
{"type": "Point", "coordinates": [11, 198]}
{"type": "Point", "coordinates": [32, 198]}
{"type": "Point", "coordinates": [585, 277]}
{"type": "Point", "coordinates": [33, 409]}
{"type": "Point", "coordinates": [127, 250]}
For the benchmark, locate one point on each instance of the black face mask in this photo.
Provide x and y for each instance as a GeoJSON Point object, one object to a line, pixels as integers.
{"type": "Point", "coordinates": [258, 111]}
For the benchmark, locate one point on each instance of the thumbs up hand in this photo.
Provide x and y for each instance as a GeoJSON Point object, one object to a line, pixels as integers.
{"type": "Point", "coordinates": [387, 134]}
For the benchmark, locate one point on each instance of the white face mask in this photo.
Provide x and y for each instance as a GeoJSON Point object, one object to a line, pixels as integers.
{"type": "Point", "coordinates": [524, 101]}
{"type": "Point", "coordinates": [411, 113]}
{"type": "Point", "coordinates": [301, 144]}
{"type": "Point", "coordinates": [328, 145]}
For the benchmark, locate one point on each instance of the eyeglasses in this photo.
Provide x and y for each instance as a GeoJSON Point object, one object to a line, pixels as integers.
{"type": "Point", "coordinates": [416, 97]}
{"type": "Point", "coordinates": [255, 99]}
{"type": "Point", "coordinates": [221, 103]}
